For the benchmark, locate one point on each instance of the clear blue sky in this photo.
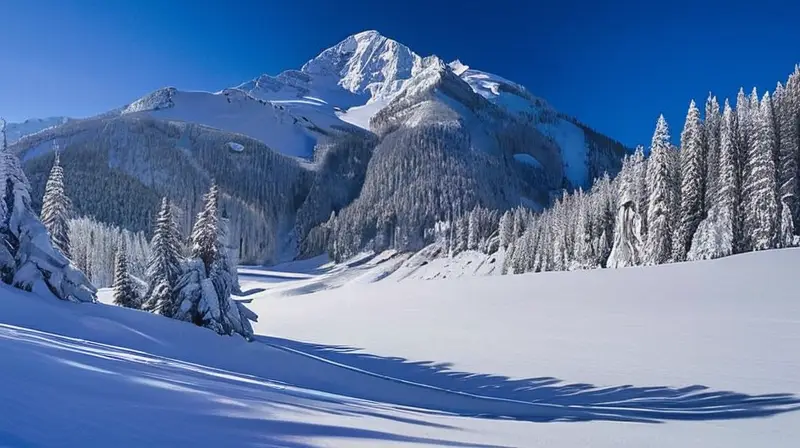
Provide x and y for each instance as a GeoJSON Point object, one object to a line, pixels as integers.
{"type": "Point", "coordinates": [614, 64]}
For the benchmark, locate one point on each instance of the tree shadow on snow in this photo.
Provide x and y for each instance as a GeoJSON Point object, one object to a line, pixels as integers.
{"type": "Point", "coordinates": [90, 394]}
{"type": "Point", "coordinates": [542, 399]}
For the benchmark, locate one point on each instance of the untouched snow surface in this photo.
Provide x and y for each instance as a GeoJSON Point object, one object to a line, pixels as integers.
{"type": "Point", "coordinates": [360, 115]}
{"type": "Point", "coordinates": [686, 355]}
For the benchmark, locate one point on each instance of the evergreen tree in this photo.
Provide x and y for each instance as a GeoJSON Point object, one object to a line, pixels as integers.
{"type": "Point", "coordinates": [124, 290]}
{"type": "Point", "coordinates": [164, 268]}
{"type": "Point", "coordinates": [508, 259]}
{"type": "Point", "coordinates": [787, 237]}
{"type": "Point", "coordinates": [203, 292]}
{"type": "Point", "coordinates": [473, 229]}
{"type": "Point", "coordinates": [56, 208]}
{"type": "Point", "coordinates": [506, 229]}
{"type": "Point", "coordinates": [230, 251]}
{"type": "Point", "coordinates": [462, 234]}
{"type": "Point", "coordinates": [205, 233]}
{"type": "Point", "coordinates": [711, 140]}
{"type": "Point", "coordinates": [605, 215]}
{"type": "Point", "coordinates": [692, 182]}
{"type": "Point", "coordinates": [789, 151]}
{"type": "Point", "coordinates": [658, 248]}
{"type": "Point", "coordinates": [729, 196]}
{"type": "Point", "coordinates": [584, 253]}
{"type": "Point", "coordinates": [519, 223]}
{"type": "Point", "coordinates": [761, 217]}
{"type": "Point", "coordinates": [640, 188]}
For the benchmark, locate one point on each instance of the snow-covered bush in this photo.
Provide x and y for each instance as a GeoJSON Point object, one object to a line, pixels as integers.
{"type": "Point", "coordinates": [203, 300]}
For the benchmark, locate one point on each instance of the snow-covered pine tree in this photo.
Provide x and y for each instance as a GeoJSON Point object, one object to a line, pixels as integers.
{"type": "Point", "coordinates": [711, 133]}
{"type": "Point", "coordinates": [658, 248]}
{"type": "Point", "coordinates": [204, 289]}
{"type": "Point", "coordinates": [519, 223]}
{"type": "Point", "coordinates": [584, 253]}
{"type": "Point", "coordinates": [675, 192]}
{"type": "Point", "coordinates": [640, 189]}
{"type": "Point", "coordinates": [776, 104]}
{"type": "Point", "coordinates": [164, 268]}
{"type": "Point", "coordinates": [230, 251]}
{"type": "Point", "coordinates": [124, 289]}
{"type": "Point", "coordinates": [28, 259]}
{"type": "Point", "coordinates": [56, 208]}
{"type": "Point", "coordinates": [692, 182]}
{"type": "Point", "coordinates": [744, 138]}
{"type": "Point", "coordinates": [473, 230]}
{"type": "Point", "coordinates": [507, 260]}
{"type": "Point", "coordinates": [787, 237]}
{"type": "Point", "coordinates": [761, 217]}
{"type": "Point", "coordinates": [558, 231]}
{"type": "Point", "coordinates": [506, 229]}
{"type": "Point", "coordinates": [729, 196]}
{"type": "Point", "coordinates": [206, 230]}
{"type": "Point", "coordinates": [789, 151]}
{"type": "Point", "coordinates": [462, 234]}
{"type": "Point", "coordinates": [605, 209]}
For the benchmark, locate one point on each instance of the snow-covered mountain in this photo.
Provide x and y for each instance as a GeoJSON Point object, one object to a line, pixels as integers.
{"type": "Point", "coordinates": [378, 132]}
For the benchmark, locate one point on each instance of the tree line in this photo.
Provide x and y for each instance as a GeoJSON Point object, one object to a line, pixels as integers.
{"type": "Point", "coordinates": [730, 187]}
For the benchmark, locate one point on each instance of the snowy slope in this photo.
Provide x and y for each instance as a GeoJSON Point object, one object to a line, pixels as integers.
{"type": "Point", "coordinates": [595, 358]}
{"type": "Point", "coordinates": [235, 111]}
{"type": "Point", "coordinates": [514, 98]}
{"type": "Point", "coordinates": [106, 376]}
{"type": "Point", "coordinates": [15, 131]}
{"type": "Point", "coordinates": [647, 337]}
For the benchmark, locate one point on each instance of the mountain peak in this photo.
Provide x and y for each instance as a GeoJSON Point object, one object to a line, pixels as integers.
{"type": "Point", "coordinates": [366, 63]}
{"type": "Point", "coordinates": [367, 34]}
